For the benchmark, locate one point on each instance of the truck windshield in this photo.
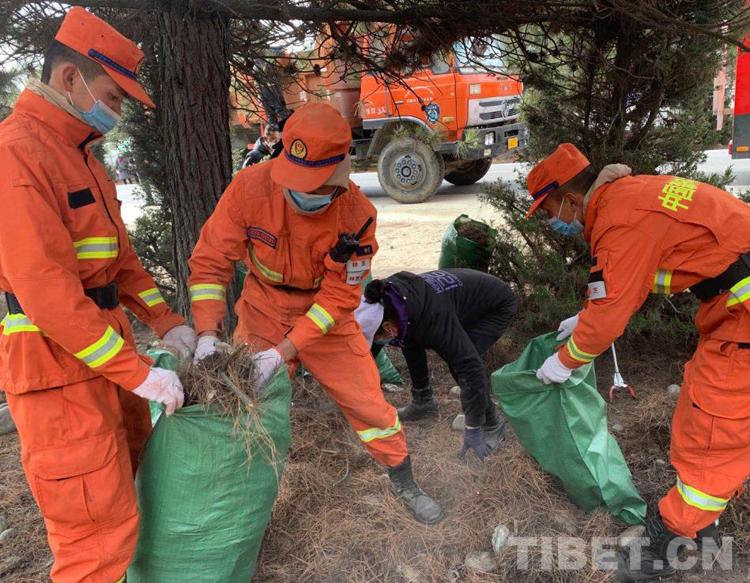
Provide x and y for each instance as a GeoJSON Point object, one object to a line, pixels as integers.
{"type": "Point", "coordinates": [476, 55]}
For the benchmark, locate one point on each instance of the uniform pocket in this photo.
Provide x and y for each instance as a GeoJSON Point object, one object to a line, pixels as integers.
{"type": "Point", "coordinates": [83, 483]}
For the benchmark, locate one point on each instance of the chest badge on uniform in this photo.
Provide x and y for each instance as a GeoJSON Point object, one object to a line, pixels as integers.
{"type": "Point", "coordinates": [262, 235]}
{"type": "Point", "coordinates": [298, 149]}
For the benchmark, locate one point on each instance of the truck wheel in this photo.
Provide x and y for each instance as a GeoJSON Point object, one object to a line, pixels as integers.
{"type": "Point", "coordinates": [470, 173]}
{"type": "Point", "coordinates": [409, 171]}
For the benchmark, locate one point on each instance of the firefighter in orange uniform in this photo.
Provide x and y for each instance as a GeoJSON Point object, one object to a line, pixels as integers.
{"type": "Point", "coordinates": [664, 234]}
{"type": "Point", "coordinates": [76, 387]}
{"type": "Point", "coordinates": [307, 234]}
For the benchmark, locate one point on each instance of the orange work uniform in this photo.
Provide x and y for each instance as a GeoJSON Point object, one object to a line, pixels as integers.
{"type": "Point", "coordinates": [295, 290]}
{"type": "Point", "coordinates": [67, 365]}
{"type": "Point", "coordinates": [665, 234]}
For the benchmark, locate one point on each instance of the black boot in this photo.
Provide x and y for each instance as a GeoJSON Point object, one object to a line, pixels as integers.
{"type": "Point", "coordinates": [424, 508]}
{"type": "Point", "coordinates": [494, 435]}
{"type": "Point", "coordinates": [423, 405]}
{"type": "Point", "coordinates": [709, 539]}
{"type": "Point", "coordinates": [655, 557]}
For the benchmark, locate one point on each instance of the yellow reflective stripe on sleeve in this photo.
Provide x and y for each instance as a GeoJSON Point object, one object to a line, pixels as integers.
{"type": "Point", "coordinates": [151, 297]}
{"type": "Point", "coordinates": [321, 317]}
{"type": "Point", "coordinates": [740, 292]}
{"type": "Point", "coordinates": [96, 248]}
{"type": "Point", "coordinates": [121, 579]}
{"type": "Point", "coordinates": [579, 354]}
{"type": "Point", "coordinates": [207, 291]}
{"type": "Point", "coordinates": [694, 497]}
{"type": "Point", "coordinates": [103, 350]}
{"type": "Point", "coordinates": [269, 273]}
{"type": "Point", "coordinates": [13, 323]}
{"type": "Point", "coordinates": [663, 282]}
{"type": "Point", "coordinates": [367, 435]}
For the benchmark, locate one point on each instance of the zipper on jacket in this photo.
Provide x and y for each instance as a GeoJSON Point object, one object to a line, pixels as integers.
{"type": "Point", "coordinates": [85, 152]}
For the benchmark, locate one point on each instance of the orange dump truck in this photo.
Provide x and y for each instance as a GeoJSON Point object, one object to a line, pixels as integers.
{"type": "Point", "coordinates": [447, 119]}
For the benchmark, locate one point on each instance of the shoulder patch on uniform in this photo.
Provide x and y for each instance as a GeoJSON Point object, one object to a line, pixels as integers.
{"type": "Point", "coordinates": [364, 250]}
{"type": "Point", "coordinates": [80, 198]}
{"type": "Point", "coordinates": [262, 235]}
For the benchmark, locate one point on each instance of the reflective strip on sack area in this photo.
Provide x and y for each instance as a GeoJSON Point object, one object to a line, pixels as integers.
{"type": "Point", "coordinates": [103, 350]}
{"type": "Point", "coordinates": [207, 291]}
{"type": "Point", "coordinates": [663, 282]}
{"type": "Point", "coordinates": [321, 317]}
{"type": "Point", "coordinates": [694, 497]}
{"type": "Point", "coordinates": [96, 248]}
{"type": "Point", "coordinates": [151, 297]}
{"type": "Point", "coordinates": [268, 273]}
{"type": "Point", "coordinates": [13, 323]}
{"type": "Point", "coordinates": [367, 435]}
{"type": "Point", "coordinates": [579, 354]}
{"type": "Point", "coordinates": [740, 292]}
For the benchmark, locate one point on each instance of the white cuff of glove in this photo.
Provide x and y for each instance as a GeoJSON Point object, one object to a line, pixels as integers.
{"type": "Point", "coordinates": [183, 339]}
{"type": "Point", "coordinates": [553, 371]}
{"type": "Point", "coordinates": [566, 327]}
{"type": "Point", "coordinates": [163, 386]}
{"type": "Point", "coordinates": [208, 345]}
{"type": "Point", "coordinates": [267, 363]}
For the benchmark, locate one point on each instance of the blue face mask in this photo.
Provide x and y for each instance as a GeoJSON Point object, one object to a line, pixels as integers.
{"type": "Point", "coordinates": [311, 202]}
{"type": "Point", "coordinates": [100, 116]}
{"type": "Point", "coordinates": [565, 229]}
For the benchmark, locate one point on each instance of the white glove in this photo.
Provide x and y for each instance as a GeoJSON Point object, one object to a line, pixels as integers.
{"type": "Point", "coordinates": [566, 327]}
{"type": "Point", "coordinates": [163, 386]}
{"type": "Point", "coordinates": [183, 339]}
{"type": "Point", "coordinates": [208, 345]}
{"type": "Point", "coordinates": [267, 363]}
{"type": "Point", "coordinates": [553, 371]}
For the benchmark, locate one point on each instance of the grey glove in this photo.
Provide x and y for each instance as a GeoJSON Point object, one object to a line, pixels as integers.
{"type": "Point", "coordinates": [474, 439]}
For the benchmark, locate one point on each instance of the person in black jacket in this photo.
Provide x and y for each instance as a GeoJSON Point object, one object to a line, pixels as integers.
{"type": "Point", "coordinates": [458, 313]}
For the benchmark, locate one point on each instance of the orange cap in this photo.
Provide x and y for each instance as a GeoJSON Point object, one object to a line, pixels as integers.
{"type": "Point", "coordinates": [119, 56]}
{"type": "Point", "coordinates": [316, 140]}
{"type": "Point", "coordinates": [564, 163]}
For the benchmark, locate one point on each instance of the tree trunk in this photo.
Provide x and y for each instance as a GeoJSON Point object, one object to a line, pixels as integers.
{"type": "Point", "coordinates": [194, 55]}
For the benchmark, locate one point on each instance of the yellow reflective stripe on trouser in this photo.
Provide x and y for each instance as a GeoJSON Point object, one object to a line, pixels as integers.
{"type": "Point", "coordinates": [151, 297]}
{"type": "Point", "coordinates": [740, 292]}
{"type": "Point", "coordinates": [321, 317]}
{"type": "Point", "coordinates": [269, 273]}
{"type": "Point", "coordinates": [121, 579]}
{"type": "Point", "coordinates": [103, 350]}
{"type": "Point", "coordinates": [207, 291]}
{"type": "Point", "coordinates": [13, 323]}
{"type": "Point", "coordinates": [579, 354]}
{"type": "Point", "coordinates": [663, 282]}
{"type": "Point", "coordinates": [367, 435]}
{"type": "Point", "coordinates": [96, 248]}
{"type": "Point", "coordinates": [694, 497]}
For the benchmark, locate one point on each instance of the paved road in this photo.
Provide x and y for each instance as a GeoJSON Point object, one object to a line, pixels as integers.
{"type": "Point", "coordinates": [409, 235]}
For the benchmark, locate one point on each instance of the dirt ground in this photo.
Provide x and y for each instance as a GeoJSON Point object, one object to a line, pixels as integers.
{"type": "Point", "coordinates": [335, 519]}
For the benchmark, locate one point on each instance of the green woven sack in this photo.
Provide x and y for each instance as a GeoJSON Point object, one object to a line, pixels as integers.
{"type": "Point", "coordinates": [564, 427]}
{"type": "Point", "coordinates": [204, 507]}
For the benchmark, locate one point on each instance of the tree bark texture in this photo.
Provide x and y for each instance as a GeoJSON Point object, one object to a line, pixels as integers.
{"type": "Point", "coordinates": [194, 55]}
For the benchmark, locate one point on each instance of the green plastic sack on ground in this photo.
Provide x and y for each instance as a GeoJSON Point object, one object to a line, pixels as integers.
{"type": "Point", "coordinates": [458, 251]}
{"type": "Point", "coordinates": [204, 507]}
{"type": "Point", "coordinates": [564, 427]}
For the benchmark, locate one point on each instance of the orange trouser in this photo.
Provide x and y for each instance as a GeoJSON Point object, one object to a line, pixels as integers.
{"type": "Point", "coordinates": [79, 447]}
{"type": "Point", "coordinates": [340, 361]}
{"type": "Point", "coordinates": [710, 444]}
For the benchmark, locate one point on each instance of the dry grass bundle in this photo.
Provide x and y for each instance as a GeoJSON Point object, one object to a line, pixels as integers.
{"type": "Point", "coordinates": [226, 384]}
